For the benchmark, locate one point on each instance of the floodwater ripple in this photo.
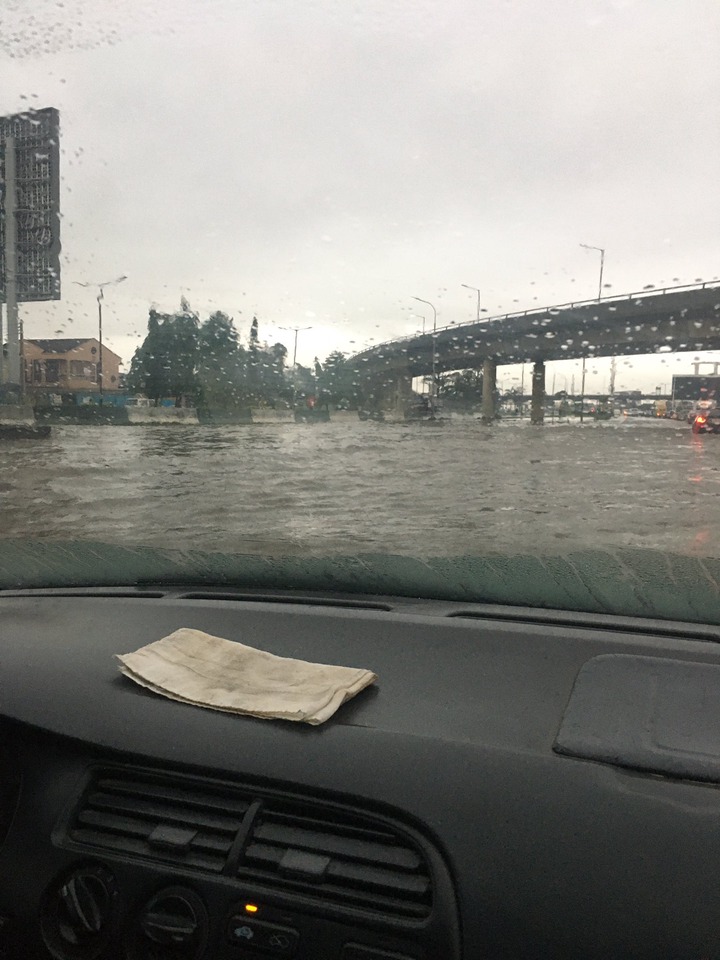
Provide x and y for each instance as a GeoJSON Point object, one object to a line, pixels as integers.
{"type": "Point", "coordinates": [452, 488]}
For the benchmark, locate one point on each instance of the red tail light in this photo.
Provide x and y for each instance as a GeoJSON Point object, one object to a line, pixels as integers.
{"type": "Point", "coordinates": [700, 419]}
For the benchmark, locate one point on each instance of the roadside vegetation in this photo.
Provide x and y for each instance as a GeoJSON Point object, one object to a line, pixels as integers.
{"type": "Point", "coordinates": [205, 363]}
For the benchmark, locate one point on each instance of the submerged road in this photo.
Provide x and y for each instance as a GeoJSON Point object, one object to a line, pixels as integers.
{"type": "Point", "coordinates": [423, 489]}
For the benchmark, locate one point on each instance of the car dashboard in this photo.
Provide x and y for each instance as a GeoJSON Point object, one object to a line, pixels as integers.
{"type": "Point", "coordinates": [519, 783]}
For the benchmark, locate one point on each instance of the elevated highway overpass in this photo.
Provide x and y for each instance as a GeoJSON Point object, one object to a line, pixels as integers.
{"type": "Point", "coordinates": [668, 320]}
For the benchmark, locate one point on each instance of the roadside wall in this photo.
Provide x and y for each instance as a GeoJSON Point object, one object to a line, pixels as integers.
{"type": "Point", "coordinates": [121, 415]}
{"type": "Point", "coordinates": [262, 415]}
{"type": "Point", "coordinates": [169, 415]}
{"type": "Point", "coordinates": [344, 416]}
{"type": "Point", "coordinates": [85, 414]}
{"type": "Point", "coordinates": [17, 414]}
{"type": "Point", "coordinates": [211, 417]}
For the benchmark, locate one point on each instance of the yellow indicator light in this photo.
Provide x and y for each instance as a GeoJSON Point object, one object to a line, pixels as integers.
{"type": "Point", "coordinates": [251, 908]}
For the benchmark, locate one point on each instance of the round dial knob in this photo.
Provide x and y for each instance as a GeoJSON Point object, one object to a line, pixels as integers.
{"type": "Point", "coordinates": [173, 924]}
{"type": "Point", "coordinates": [78, 912]}
{"type": "Point", "coordinates": [85, 904]}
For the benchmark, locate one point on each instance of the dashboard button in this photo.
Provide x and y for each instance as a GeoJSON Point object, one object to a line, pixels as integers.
{"type": "Point", "coordinates": [265, 937]}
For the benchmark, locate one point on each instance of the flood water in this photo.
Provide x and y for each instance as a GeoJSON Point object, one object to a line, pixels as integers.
{"type": "Point", "coordinates": [455, 487]}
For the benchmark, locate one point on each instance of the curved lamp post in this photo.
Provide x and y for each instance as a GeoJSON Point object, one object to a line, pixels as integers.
{"type": "Point", "coordinates": [296, 331]}
{"type": "Point", "coordinates": [468, 287]}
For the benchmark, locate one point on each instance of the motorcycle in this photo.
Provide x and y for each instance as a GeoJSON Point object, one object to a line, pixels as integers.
{"type": "Point", "coordinates": [706, 422]}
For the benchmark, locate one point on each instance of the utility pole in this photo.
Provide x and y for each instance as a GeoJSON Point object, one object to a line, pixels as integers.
{"type": "Point", "coordinates": [100, 298]}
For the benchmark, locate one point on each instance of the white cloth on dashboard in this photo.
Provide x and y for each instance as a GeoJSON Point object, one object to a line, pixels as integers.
{"type": "Point", "coordinates": [195, 667]}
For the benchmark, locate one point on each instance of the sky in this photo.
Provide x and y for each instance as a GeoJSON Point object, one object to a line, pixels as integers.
{"type": "Point", "coordinates": [320, 163]}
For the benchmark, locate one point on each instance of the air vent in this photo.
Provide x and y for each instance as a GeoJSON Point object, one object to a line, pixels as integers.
{"type": "Point", "coordinates": [164, 821]}
{"type": "Point", "coordinates": [287, 846]}
{"type": "Point", "coordinates": [338, 858]}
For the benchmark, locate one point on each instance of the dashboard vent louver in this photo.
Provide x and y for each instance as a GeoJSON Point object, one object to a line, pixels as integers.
{"type": "Point", "coordinates": [337, 857]}
{"type": "Point", "coordinates": [284, 845]}
{"type": "Point", "coordinates": [164, 821]}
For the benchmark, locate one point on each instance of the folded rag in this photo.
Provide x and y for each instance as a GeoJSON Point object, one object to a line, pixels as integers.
{"type": "Point", "coordinates": [207, 671]}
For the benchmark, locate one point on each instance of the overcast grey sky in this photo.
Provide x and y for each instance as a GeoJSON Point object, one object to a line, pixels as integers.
{"type": "Point", "coordinates": [321, 162]}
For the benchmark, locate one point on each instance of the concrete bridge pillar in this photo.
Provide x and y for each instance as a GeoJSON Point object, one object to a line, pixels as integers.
{"type": "Point", "coordinates": [403, 396]}
{"type": "Point", "coordinates": [489, 390]}
{"type": "Point", "coordinates": [537, 402]}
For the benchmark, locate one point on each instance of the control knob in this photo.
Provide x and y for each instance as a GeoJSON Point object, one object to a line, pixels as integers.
{"type": "Point", "coordinates": [78, 912]}
{"type": "Point", "coordinates": [172, 924]}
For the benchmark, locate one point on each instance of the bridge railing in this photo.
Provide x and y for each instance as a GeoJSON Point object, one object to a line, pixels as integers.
{"type": "Point", "coordinates": [649, 291]}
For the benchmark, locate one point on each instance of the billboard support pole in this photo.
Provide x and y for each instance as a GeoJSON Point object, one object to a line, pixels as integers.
{"type": "Point", "coordinates": [12, 377]}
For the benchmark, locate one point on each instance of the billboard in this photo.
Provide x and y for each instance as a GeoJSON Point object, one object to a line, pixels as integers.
{"type": "Point", "coordinates": [696, 388]}
{"type": "Point", "coordinates": [37, 151]}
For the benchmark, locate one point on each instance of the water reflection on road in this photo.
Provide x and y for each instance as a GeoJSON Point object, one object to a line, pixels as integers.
{"type": "Point", "coordinates": [422, 489]}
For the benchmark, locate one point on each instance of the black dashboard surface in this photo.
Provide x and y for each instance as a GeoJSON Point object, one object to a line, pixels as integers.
{"type": "Point", "coordinates": [547, 855]}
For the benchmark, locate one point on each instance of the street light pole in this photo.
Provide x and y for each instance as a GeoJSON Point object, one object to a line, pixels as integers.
{"type": "Point", "coordinates": [468, 287]}
{"type": "Point", "coordinates": [601, 251]}
{"type": "Point", "coordinates": [296, 331]}
{"type": "Point", "coordinates": [434, 349]}
{"type": "Point", "coordinates": [100, 298]}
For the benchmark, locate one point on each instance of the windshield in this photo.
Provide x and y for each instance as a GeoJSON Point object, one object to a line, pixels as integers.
{"type": "Point", "coordinates": [412, 298]}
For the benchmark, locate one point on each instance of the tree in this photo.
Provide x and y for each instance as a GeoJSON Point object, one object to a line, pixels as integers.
{"type": "Point", "coordinates": [181, 358]}
{"type": "Point", "coordinates": [165, 365]}
{"type": "Point", "coordinates": [303, 382]}
{"type": "Point", "coordinates": [277, 383]}
{"type": "Point", "coordinates": [268, 373]}
{"type": "Point", "coordinates": [148, 374]}
{"type": "Point", "coordinates": [338, 380]}
{"type": "Point", "coordinates": [465, 387]}
{"type": "Point", "coordinates": [217, 336]}
{"type": "Point", "coordinates": [222, 367]}
{"type": "Point", "coordinates": [279, 352]}
{"type": "Point", "coordinates": [182, 355]}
